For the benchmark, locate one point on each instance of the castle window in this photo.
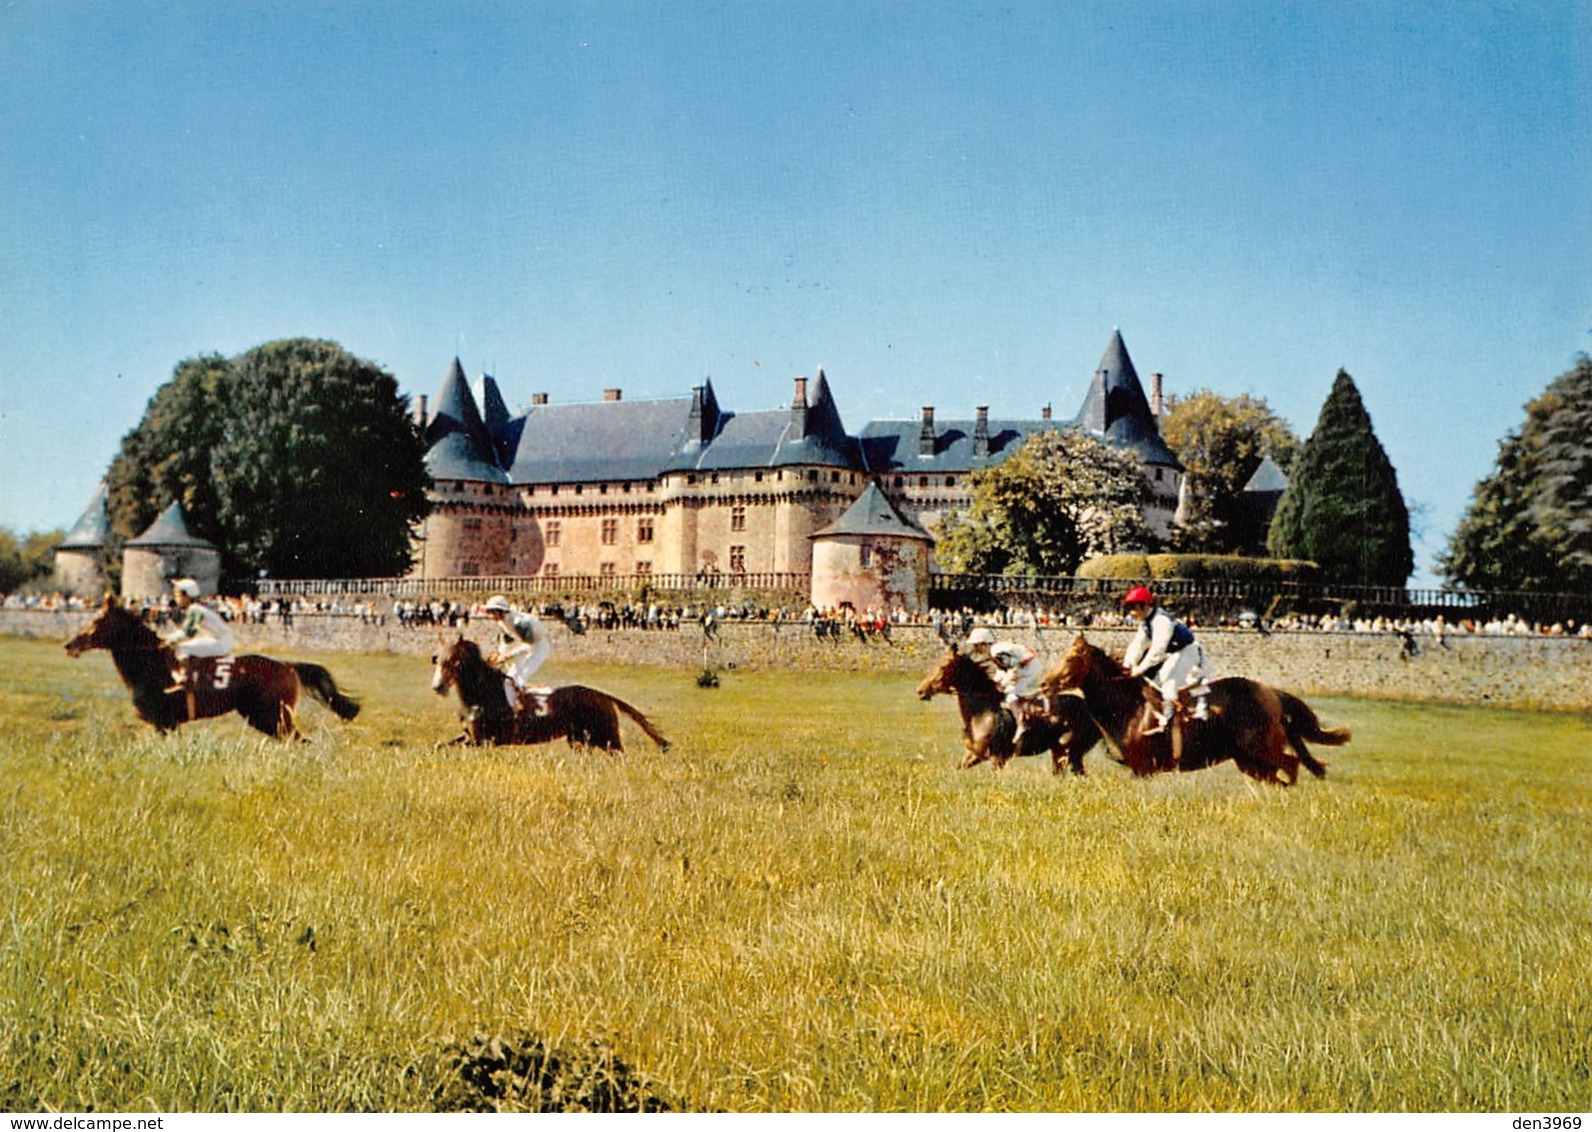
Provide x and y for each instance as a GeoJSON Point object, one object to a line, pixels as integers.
{"type": "Point", "coordinates": [579, 489]}
{"type": "Point", "coordinates": [865, 557]}
{"type": "Point", "coordinates": [610, 531]}
{"type": "Point", "coordinates": [898, 481]}
{"type": "Point", "coordinates": [644, 529]}
{"type": "Point", "coordinates": [552, 489]}
{"type": "Point", "coordinates": [923, 481]}
{"type": "Point", "coordinates": [550, 569]}
{"type": "Point", "coordinates": [834, 477]}
{"type": "Point", "coordinates": [605, 570]}
{"type": "Point", "coordinates": [643, 569]}
{"type": "Point", "coordinates": [737, 559]}
{"type": "Point", "coordinates": [715, 477]}
{"type": "Point", "coordinates": [950, 481]}
{"type": "Point", "coordinates": [738, 518]}
{"type": "Point", "coordinates": [690, 479]}
{"type": "Point", "coordinates": [472, 525]}
{"type": "Point", "coordinates": [758, 476]}
{"type": "Point", "coordinates": [1160, 474]}
{"type": "Point", "coordinates": [469, 569]}
{"type": "Point", "coordinates": [602, 489]}
{"type": "Point", "coordinates": [552, 532]}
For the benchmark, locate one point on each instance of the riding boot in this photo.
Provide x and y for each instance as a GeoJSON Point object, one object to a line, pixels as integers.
{"type": "Point", "coordinates": [1177, 742]}
{"type": "Point", "coordinates": [179, 679]}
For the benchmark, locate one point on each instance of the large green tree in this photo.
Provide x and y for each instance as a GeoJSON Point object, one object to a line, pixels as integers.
{"type": "Point", "coordinates": [1060, 498]}
{"type": "Point", "coordinates": [1529, 524]}
{"type": "Point", "coordinates": [1221, 441]}
{"type": "Point", "coordinates": [297, 458]}
{"type": "Point", "coordinates": [1343, 509]}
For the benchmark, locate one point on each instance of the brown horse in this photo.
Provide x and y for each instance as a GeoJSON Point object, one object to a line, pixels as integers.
{"type": "Point", "coordinates": [264, 691]}
{"type": "Point", "coordinates": [584, 716]}
{"type": "Point", "coordinates": [1263, 730]}
{"type": "Point", "coordinates": [989, 730]}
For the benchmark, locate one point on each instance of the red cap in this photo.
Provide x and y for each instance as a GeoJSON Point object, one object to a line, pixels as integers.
{"type": "Point", "coordinates": [1138, 595]}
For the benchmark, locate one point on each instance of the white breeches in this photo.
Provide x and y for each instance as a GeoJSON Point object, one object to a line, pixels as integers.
{"type": "Point", "coordinates": [1182, 669]}
{"type": "Point", "coordinates": [1024, 682]}
{"type": "Point", "coordinates": [522, 664]}
{"type": "Point", "coordinates": [203, 646]}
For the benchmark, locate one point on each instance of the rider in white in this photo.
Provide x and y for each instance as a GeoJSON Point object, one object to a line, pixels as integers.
{"type": "Point", "coordinates": [1016, 666]}
{"type": "Point", "coordinates": [523, 648]}
{"type": "Point", "coordinates": [1165, 646]}
{"type": "Point", "coordinates": [202, 632]}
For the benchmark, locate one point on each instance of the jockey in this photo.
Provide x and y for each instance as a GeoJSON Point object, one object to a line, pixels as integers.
{"type": "Point", "coordinates": [523, 647]}
{"type": "Point", "coordinates": [1167, 646]}
{"type": "Point", "coordinates": [202, 632]}
{"type": "Point", "coordinates": [1016, 667]}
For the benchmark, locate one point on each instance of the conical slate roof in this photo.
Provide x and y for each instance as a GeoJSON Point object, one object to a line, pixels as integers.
{"type": "Point", "coordinates": [458, 446]}
{"type": "Point", "coordinates": [93, 528]}
{"type": "Point", "coordinates": [170, 530]}
{"type": "Point", "coordinates": [1267, 478]}
{"type": "Point", "coordinates": [1116, 409]}
{"type": "Point", "coordinates": [499, 423]}
{"type": "Point", "coordinates": [873, 514]}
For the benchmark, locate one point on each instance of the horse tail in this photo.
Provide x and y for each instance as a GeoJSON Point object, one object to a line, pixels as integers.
{"type": "Point", "coordinates": [1300, 721]}
{"type": "Point", "coordinates": [321, 687]}
{"type": "Point", "coordinates": [641, 721]}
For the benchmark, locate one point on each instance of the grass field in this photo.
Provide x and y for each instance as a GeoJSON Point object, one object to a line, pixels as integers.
{"type": "Point", "coordinates": [801, 906]}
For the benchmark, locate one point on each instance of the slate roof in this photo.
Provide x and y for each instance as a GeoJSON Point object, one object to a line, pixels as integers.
{"type": "Point", "coordinates": [170, 530]}
{"type": "Point", "coordinates": [892, 446]}
{"type": "Point", "coordinates": [1268, 477]}
{"type": "Point", "coordinates": [641, 440]}
{"type": "Point", "coordinates": [809, 432]}
{"type": "Point", "coordinates": [1115, 408]}
{"type": "Point", "coordinates": [458, 446]}
{"type": "Point", "coordinates": [601, 440]}
{"type": "Point", "coordinates": [874, 514]}
{"type": "Point", "coordinates": [93, 528]}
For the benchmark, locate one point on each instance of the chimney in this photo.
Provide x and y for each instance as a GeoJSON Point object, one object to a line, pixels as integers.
{"type": "Point", "coordinates": [611, 394]}
{"type": "Point", "coordinates": [798, 409]}
{"type": "Point", "coordinates": [981, 431]}
{"type": "Point", "coordinates": [1044, 414]}
{"type": "Point", "coordinates": [926, 432]}
{"type": "Point", "coordinates": [1155, 394]}
{"type": "Point", "coordinates": [538, 398]}
{"type": "Point", "coordinates": [422, 407]}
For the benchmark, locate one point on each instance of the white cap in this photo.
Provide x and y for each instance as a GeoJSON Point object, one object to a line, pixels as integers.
{"type": "Point", "coordinates": [981, 636]}
{"type": "Point", "coordinates": [185, 586]}
{"type": "Point", "coordinates": [497, 603]}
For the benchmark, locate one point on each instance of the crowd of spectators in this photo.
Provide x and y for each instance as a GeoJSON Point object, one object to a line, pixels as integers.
{"type": "Point", "coordinates": [831, 623]}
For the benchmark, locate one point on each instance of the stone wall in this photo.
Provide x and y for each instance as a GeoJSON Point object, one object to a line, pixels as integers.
{"type": "Point", "coordinates": [1519, 672]}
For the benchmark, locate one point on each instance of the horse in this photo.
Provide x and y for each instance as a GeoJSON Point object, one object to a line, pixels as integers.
{"type": "Point", "coordinates": [584, 716]}
{"type": "Point", "coordinates": [989, 729]}
{"type": "Point", "coordinates": [263, 691]}
{"type": "Point", "coordinates": [1262, 729]}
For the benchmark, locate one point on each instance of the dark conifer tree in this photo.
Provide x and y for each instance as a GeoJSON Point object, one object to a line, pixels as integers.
{"type": "Point", "coordinates": [1529, 525]}
{"type": "Point", "coordinates": [1343, 509]}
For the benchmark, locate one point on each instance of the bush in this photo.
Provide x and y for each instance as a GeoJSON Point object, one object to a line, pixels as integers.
{"type": "Point", "coordinates": [1197, 568]}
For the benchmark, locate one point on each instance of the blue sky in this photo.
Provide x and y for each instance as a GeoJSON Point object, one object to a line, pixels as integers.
{"type": "Point", "coordinates": [947, 204]}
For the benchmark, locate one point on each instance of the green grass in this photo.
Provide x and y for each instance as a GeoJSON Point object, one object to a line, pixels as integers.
{"type": "Point", "coordinates": [801, 906]}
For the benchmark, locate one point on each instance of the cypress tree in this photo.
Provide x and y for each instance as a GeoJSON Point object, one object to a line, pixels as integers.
{"type": "Point", "coordinates": [1343, 509]}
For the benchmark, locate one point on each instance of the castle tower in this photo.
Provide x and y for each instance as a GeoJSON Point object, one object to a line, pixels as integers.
{"type": "Point", "coordinates": [471, 525]}
{"type": "Point", "coordinates": [871, 558]}
{"type": "Point", "coordinates": [165, 551]}
{"type": "Point", "coordinates": [1116, 410]}
{"type": "Point", "coordinates": [79, 557]}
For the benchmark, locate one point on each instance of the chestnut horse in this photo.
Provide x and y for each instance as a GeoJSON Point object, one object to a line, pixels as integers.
{"type": "Point", "coordinates": [264, 691]}
{"type": "Point", "coordinates": [1263, 730]}
{"type": "Point", "coordinates": [989, 730]}
{"type": "Point", "coordinates": [584, 716]}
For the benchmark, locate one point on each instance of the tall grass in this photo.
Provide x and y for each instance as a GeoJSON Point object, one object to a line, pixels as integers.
{"type": "Point", "coordinates": [800, 906]}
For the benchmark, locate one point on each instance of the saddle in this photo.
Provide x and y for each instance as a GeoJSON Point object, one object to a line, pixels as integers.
{"type": "Point", "coordinates": [199, 673]}
{"type": "Point", "coordinates": [531, 701]}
